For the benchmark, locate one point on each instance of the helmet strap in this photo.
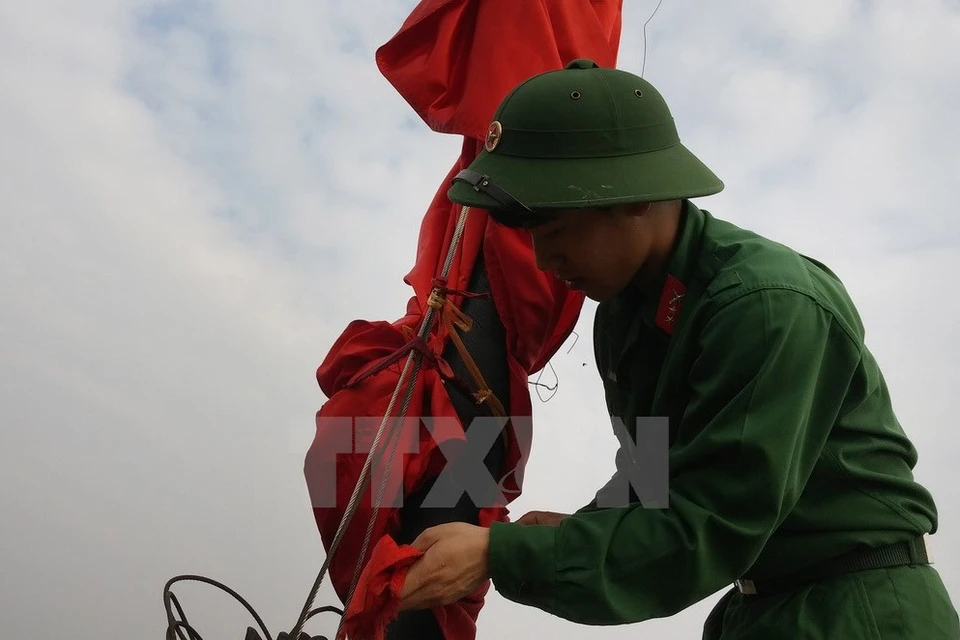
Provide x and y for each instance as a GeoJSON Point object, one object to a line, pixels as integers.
{"type": "Point", "coordinates": [522, 214]}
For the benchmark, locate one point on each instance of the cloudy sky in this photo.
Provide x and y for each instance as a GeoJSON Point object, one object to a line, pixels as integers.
{"type": "Point", "coordinates": [199, 196]}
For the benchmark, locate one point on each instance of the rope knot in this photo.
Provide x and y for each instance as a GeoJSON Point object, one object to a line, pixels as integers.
{"type": "Point", "coordinates": [437, 299]}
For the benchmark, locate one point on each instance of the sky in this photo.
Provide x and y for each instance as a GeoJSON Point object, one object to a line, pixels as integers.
{"type": "Point", "coordinates": [199, 196]}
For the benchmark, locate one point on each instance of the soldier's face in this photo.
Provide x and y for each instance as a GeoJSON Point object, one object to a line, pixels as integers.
{"type": "Point", "coordinates": [594, 251]}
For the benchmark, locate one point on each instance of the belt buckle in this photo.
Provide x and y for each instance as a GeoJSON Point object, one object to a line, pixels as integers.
{"type": "Point", "coordinates": [927, 548]}
{"type": "Point", "coordinates": [746, 587]}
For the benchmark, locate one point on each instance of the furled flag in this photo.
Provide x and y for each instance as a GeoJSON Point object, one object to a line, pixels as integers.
{"type": "Point", "coordinates": [453, 61]}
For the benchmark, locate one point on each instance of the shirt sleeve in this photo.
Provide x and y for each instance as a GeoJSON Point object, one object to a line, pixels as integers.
{"type": "Point", "coordinates": [767, 382]}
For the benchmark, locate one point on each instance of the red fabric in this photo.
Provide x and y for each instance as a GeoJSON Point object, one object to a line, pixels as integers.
{"type": "Point", "coordinates": [453, 61]}
{"type": "Point", "coordinates": [378, 589]}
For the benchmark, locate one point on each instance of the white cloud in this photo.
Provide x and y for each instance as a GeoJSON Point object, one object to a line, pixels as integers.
{"type": "Point", "coordinates": [197, 201]}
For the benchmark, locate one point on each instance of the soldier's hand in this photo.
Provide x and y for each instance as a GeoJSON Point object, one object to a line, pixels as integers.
{"type": "Point", "coordinates": [453, 565]}
{"type": "Point", "coordinates": [550, 518]}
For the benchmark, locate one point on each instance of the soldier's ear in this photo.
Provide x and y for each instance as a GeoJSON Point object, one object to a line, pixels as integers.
{"type": "Point", "coordinates": [638, 209]}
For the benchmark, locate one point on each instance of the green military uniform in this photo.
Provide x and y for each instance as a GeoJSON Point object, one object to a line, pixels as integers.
{"type": "Point", "coordinates": [789, 474]}
{"type": "Point", "coordinates": [784, 452]}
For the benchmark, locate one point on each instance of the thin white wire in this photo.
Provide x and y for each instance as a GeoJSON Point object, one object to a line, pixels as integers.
{"type": "Point", "coordinates": [643, 66]}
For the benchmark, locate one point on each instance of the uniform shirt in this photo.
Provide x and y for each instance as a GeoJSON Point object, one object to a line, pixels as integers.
{"type": "Point", "coordinates": [784, 449]}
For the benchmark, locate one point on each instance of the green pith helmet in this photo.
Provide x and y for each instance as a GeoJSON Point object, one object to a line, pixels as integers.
{"type": "Point", "coordinates": [580, 137]}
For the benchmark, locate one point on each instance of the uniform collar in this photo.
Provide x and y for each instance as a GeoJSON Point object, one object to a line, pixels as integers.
{"type": "Point", "coordinates": [661, 311]}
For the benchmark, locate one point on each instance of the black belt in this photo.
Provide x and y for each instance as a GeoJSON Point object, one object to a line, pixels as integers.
{"type": "Point", "coordinates": [909, 552]}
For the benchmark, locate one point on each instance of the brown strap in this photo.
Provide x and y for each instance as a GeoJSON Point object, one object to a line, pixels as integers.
{"type": "Point", "coordinates": [454, 319]}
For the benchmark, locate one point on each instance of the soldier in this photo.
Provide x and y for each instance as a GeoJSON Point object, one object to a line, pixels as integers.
{"type": "Point", "coordinates": [790, 477]}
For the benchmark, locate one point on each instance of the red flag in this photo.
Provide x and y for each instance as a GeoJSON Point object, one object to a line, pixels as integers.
{"type": "Point", "coordinates": [453, 61]}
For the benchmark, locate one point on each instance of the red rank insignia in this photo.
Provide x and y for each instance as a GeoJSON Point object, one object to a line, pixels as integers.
{"type": "Point", "coordinates": [671, 301]}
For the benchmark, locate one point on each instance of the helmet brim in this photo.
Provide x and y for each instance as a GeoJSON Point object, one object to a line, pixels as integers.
{"type": "Point", "coordinates": [550, 183]}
